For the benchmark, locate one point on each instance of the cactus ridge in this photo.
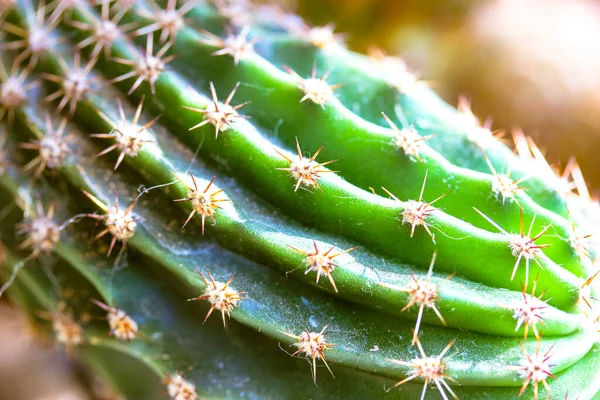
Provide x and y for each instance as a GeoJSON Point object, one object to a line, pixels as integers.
{"type": "Point", "coordinates": [294, 188]}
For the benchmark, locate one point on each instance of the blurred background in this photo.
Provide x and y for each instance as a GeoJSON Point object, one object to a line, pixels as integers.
{"type": "Point", "coordinates": [533, 64]}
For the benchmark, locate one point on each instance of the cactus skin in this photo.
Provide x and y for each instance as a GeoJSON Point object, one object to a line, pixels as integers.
{"type": "Point", "coordinates": [334, 250]}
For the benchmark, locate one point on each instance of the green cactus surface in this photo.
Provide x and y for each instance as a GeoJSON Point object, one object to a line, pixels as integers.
{"type": "Point", "coordinates": [217, 201]}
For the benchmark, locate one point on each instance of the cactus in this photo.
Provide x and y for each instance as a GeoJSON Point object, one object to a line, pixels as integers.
{"type": "Point", "coordinates": [199, 198]}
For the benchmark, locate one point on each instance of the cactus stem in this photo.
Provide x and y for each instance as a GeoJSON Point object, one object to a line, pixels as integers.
{"type": "Point", "coordinates": [74, 84]}
{"type": "Point", "coordinates": [237, 46]}
{"type": "Point", "coordinates": [315, 89]}
{"type": "Point", "coordinates": [147, 68]}
{"type": "Point", "coordinates": [203, 203]}
{"type": "Point", "coordinates": [130, 137]}
{"type": "Point", "coordinates": [221, 115]}
{"type": "Point", "coordinates": [180, 389]}
{"type": "Point", "coordinates": [407, 139]}
{"type": "Point", "coordinates": [312, 346]}
{"type": "Point", "coordinates": [268, 229]}
{"type": "Point", "coordinates": [421, 292]}
{"type": "Point", "coordinates": [534, 368]}
{"type": "Point", "coordinates": [119, 223]}
{"type": "Point", "coordinates": [220, 295]}
{"type": "Point", "coordinates": [52, 148]}
{"type": "Point", "coordinates": [430, 369]}
{"type": "Point", "coordinates": [306, 171]}
{"type": "Point", "coordinates": [122, 326]}
{"type": "Point", "coordinates": [322, 263]}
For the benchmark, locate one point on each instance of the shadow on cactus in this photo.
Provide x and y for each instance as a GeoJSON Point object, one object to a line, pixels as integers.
{"type": "Point", "coordinates": [341, 231]}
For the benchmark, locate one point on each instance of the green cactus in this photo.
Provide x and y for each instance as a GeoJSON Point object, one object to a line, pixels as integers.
{"type": "Point", "coordinates": [333, 210]}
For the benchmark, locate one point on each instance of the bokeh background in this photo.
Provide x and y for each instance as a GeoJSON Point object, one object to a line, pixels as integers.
{"type": "Point", "coordinates": [533, 64]}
